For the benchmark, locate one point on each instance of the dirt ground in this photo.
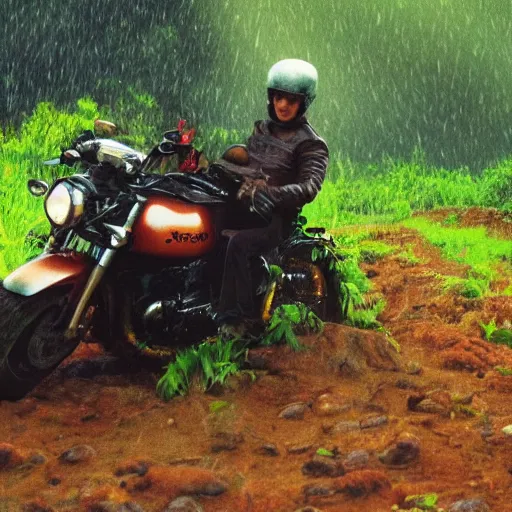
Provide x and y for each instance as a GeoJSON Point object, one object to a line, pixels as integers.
{"type": "Point", "coordinates": [347, 425]}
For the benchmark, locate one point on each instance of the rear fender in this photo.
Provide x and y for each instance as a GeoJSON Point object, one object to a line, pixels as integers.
{"type": "Point", "coordinates": [45, 271]}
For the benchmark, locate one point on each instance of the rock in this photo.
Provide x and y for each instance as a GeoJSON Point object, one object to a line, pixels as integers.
{"type": "Point", "coordinates": [507, 430]}
{"type": "Point", "coordinates": [138, 467]}
{"type": "Point", "coordinates": [373, 422]}
{"type": "Point", "coordinates": [317, 490]}
{"type": "Point", "coordinates": [431, 407]}
{"type": "Point", "coordinates": [294, 411]}
{"type": "Point", "coordinates": [78, 453]}
{"type": "Point", "coordinates": [10, 457]}
{"type": "Point", "coordinates": [269, 449]}
{"type": "Point", "coordinates": [37, 459]}
{"type": "Point", "coordinates": [346, 426]}
{"type": "Point", "coordinates": [226, 441]}
{"type": "Point", "coordinates": [298, 449]}
{"type": "Point", "coordinates": [405, 384]}
{"type": "Point", "coordinates": [355, 460]}
{"type": "Point", "coordinates": [474, 505]}
{"type": "Point", "coordinates": [362, 483]}
{"type": "Point", "coordinates": [323, 467]}
{"type": "Point", "coordinates": [329, 404]}
{"type": "Point", "coordinates": [184, 504]}
{"type": "Point", "coordinates": [403, 453]}
{"type": "Point", "coordinates": [114, 506]}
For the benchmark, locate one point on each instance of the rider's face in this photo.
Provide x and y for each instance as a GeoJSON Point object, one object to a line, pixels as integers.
{"type": "Point", "coordinates": [286, 106]}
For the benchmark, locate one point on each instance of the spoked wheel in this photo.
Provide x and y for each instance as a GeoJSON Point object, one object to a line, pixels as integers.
{"type": "Point", "coordinates": [32, 340]}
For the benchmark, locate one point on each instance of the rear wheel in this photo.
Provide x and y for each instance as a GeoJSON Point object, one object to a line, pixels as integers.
{"type": "Point", "coordinates": [32, 340]}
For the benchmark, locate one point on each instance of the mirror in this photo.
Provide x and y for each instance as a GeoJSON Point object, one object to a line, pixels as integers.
{"type": "Point", "coordinates": [237, 154]}
{"type": "Point", "coordinates": [37, 187]}
{"type": "Point", "coordinates": [105, 128]}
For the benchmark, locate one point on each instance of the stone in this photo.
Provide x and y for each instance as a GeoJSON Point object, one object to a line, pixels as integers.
{"type": "Point", "coordinates": [78, 453]}
{"type": "Point", "coordinates": [298, 449]}
{"type": "Point", "coordinates": [269, 449]}
{"type": "Point", "coordinates": [294, 411]}
{"type": "Point", "coordinates": [403, 453]}
{"type": "Point", "coordinates": [323, 467]}
{"type": "Point", "coordinates": [329, 404]}
{"type": "Point", "coordinates": [138, 467]}
{"type": "Point", "coordinates": [473, 505]}
{"type": "Point", "coordinates": [346, 426]}
{"type": "Point", "coordinates": [358, 459]}
{"type": "Point", "coordinates": [507, 430]}
{"type": "Point", "coordinates": [226, 441]}
{"type": "Point", "coordinates": [184, 504]}
{"type": "Point", "coordinates": [373, 422]}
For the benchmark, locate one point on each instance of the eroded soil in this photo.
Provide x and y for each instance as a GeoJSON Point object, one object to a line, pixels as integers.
{"type": "Point", "coordinates": [428, 419]}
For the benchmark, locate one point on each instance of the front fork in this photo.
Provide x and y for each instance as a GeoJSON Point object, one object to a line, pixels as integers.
{"type": "Point", "coordinates": [120, 237]}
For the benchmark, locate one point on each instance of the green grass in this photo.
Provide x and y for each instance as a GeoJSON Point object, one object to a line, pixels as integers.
{"type": "Point", "coordinates": [488, 258]}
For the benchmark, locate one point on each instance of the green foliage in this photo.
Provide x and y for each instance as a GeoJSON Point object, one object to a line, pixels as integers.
{"type": "Point", "coordinates": [209, 363]}
{"type": "Point", "coordinates": [506, 372]}
{"type": "Point", "coordinates": [390, 338]}
{"type": "Point", "coordinates": [287, 321]}
{"type": "Point", "coordinates": [496, 185]}
{"type": "Point", "coordinates": [324, 452]}
{"type": "Point", "coordinates": [407, 257]}
{"type": "Point", "coordinates": [422, 501]}
{"type": "Point", "coordinates": [489, 328]}
{"type": "Point", "coordinates": [489, 258]}
{"type": "Point", "coordinates": [502, 337]}
{"type": "Point", "coordinates": [343, 269]}
{"type": "Point", "coordinates": [218, 405]}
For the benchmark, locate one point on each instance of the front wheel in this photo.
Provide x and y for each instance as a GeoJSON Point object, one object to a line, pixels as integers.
{"type": "Point", "coordinates": [32, 341]}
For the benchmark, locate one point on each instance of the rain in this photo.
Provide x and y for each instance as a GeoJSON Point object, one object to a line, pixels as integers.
{"type": "Point", "coordinates": [395, 75]}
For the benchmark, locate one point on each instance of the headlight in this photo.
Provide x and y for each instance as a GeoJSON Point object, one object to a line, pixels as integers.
{"type": "Point", "coordinates": [64, 205]}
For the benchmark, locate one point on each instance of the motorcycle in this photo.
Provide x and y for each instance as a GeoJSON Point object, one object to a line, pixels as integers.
{"type": "Point", "coordinates": [134, 260]}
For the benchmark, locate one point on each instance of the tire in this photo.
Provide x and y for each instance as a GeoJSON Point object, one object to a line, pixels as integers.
{"type": "Point", "coordinates": [32, 341]}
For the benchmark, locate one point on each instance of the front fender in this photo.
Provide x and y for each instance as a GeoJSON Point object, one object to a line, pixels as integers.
{"type": "Point", "coordinates": [46, 271]}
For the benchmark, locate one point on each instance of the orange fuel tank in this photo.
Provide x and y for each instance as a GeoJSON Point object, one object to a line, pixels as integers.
{"type": "Point", "coordinates": [173, 229]}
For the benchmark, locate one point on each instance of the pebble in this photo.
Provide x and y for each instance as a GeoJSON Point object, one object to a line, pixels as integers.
{"type": "Point", "coordinates": [329, 404]}
{"type": "Point", "coordinates": [139, 468]}
{"type": "Point", "coordinates": [10, 457]}
{"type": "Point", "coordinates": [317, 468]}
{"type": "Point", "coordinates": [358, 459]}
{"type": "Point", "coordinates": [298, 449]}
{"type": "Point", "coordinates": [184, 504]}
{"type": "Point", "coordinates": [507, 430]}
{"type": "Point", "coordinates": [226, 441]}
{"type": "Point", "coordinates": [78, 453]}
{"type": "Point", "coordinates": [374, 421]}
{"type": "Point", "coordinates": [346, 426]}
{"type": "Point", "coordinates": [403, 453]}
{"type": "Point", "coordinates": [269, 449]}
{"type": "Point", "coordinates": [294, 411]}
{"type": "Point", "coordinates": [317, 490]}
{"type": "Point", "coordinates": [474, 505]}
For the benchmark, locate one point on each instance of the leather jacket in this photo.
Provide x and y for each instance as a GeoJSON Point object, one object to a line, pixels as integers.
{"type": "Point", "coordinates": [293, 158]}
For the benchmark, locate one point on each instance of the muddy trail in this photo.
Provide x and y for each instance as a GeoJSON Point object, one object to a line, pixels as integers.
{"type": "Point", "coordinates": [347, 425]}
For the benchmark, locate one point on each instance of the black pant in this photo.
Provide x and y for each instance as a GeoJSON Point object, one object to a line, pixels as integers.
{"type": "Point", "coordinates": [236, 297]}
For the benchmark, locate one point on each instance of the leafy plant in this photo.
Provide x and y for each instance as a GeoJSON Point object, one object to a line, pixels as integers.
{"type": "Point", "coordinates": [287, 321]}
{"type": "Point", "coordinates": [489, 328]}
{"type": "Point", "coordinates": [324, 452]}
{"type": "Point", "coordinates": [506, 372]}
{"type": "Point", "coordinates": [209, 363]}
{"type": "Point", "coordinates": [422, 501]}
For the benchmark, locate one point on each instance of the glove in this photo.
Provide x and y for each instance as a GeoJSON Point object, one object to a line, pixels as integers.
{"type": "Point", "coordinates": [249, 188]}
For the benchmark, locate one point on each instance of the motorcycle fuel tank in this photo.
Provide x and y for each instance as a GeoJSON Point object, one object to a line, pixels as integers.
{"type": "Point", "coordinates": [173, 229]}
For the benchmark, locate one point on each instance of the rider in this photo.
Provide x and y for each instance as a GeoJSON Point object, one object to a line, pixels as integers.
{"type": "Point", "coordinates": [294, 160]}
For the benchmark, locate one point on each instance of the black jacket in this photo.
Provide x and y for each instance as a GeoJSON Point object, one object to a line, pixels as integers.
{"type": "Point", "coordinates": [294, 159]}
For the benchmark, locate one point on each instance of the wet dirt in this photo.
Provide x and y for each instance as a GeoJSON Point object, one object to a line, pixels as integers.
{"type": "Point", "coordinates": [430, 419]}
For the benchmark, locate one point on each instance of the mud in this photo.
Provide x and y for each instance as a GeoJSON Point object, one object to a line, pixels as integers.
{"type": "Point", "coordinates": [388, 425]}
